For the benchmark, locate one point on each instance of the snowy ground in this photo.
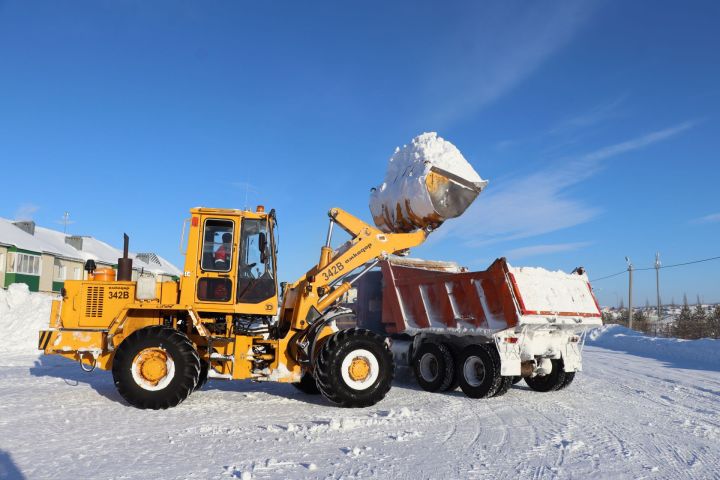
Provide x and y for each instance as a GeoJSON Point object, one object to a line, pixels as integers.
{"type": "Point", "coordinates": [627, 416]}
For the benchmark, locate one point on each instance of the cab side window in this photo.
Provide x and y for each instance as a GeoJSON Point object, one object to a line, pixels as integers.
{"type": "Point", "coordinates": [217, 246]}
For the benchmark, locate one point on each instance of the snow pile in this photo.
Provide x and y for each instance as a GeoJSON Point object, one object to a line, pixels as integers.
{"type": "Point", "coordinates": [427, 182]}
{"type": "Point", "coordinates": [545, 291]}
{"type": "Point", "coordinates": [682, 352]}
{"type": "Point", "coordinates": [22, 315]}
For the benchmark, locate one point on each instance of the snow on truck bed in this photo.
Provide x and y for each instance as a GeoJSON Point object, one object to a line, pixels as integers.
{"type": "Point", "coordinates": [636, 411]}
{"type": "Point", "coordinates": [546, 291]}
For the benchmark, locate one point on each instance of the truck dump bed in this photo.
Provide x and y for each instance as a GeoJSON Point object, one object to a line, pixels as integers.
{"type": "Point", "coordinates": [412, 296]}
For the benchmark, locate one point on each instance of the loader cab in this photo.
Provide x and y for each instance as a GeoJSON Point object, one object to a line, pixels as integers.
{"type": "Point", "coordinates": [230, 262]}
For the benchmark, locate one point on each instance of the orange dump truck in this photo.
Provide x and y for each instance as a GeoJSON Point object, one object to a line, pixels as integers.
{"type": "Point", "coordinates": [481, 330]}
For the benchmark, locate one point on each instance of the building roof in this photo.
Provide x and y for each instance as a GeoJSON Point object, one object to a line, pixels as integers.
{"type": "Point", "coordinates": [11, 235]}
{"type": "Point", "coordinates": [53, 242]}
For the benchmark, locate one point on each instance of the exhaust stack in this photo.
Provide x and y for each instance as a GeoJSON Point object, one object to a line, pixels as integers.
{"type": "Point", "coordinates": [125, 263]}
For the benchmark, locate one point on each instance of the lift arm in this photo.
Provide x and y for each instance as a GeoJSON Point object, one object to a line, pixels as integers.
{"type": "Point", "coordinates": [319, 286]}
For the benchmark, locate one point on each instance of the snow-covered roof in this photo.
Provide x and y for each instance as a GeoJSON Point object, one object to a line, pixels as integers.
{"type": "Point", "coordinates": [11, 235]}
{"type": "Point", "coordinates": [50, 241]}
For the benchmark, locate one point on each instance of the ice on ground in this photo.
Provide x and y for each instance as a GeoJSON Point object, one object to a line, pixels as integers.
{"type": "Point", "coordinates": [641, 408]}
{"type": "Point", "coordinates": [410, 198]}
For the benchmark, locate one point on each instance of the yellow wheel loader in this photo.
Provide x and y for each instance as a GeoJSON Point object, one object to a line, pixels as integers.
{"type": "Point", "coordinates": [227, 318]}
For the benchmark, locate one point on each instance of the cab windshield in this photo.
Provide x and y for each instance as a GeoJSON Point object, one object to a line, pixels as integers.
{"type": "Point", "coordinates": [256, 272]}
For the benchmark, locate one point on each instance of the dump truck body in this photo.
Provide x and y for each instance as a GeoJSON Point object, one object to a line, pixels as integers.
{"type": "Point", "coordinates": [528, 313]}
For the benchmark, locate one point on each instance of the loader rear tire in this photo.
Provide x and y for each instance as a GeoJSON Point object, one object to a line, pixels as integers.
{"type": "Point", "coordinates": [203, 376]}
{"type": "Point", "coordinates": [354, 368]}
{"type": "Point", "coordinates": [479, 375]}
{"type": "Point", "coordinates": [516, 380]}
{"type": "Point", "coordinates": [550, 382]}
{"type": "Point", "coordinates": [156, 367]}
{"type": "Point", "coordinates": [307, 384]}
{"type": "Point", "coordinates": [434, 367]}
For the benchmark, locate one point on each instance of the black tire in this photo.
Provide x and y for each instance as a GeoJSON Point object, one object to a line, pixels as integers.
{"type": "Point", "coordinates": [350, 346]}
{"type": "Point", "coordinates": [550, 382]}
{"type": "Point", "coordinates": [505, 382]}
{"type": "Point", "coordinates": [434, 367]}
{"type": "Point", "coordinates": [307, 384]}
{"type": "Point", "coordinates": [203, 376]}
{"type": "Point", "coordinates": [516, 380]}
{"type": "Point", "coordinates": [455, 383]}
{"type": "Point", "coordinates": [479, 375]}
{"type": "Point", "coordinates": [569, 377]}
{"type": "Point", "coordinates": [179, 354]}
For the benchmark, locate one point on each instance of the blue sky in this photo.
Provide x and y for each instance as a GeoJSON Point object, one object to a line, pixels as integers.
{"type": "Point", "coordinates": [595, 122]}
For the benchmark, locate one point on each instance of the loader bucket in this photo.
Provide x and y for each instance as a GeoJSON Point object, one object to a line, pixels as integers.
{"type": "Point", "coordinates": [427, 182]}
{"type": "Point", "coordinates": [450, 194]}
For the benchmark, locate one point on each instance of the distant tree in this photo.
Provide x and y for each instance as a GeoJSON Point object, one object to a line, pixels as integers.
{"type": "Point", "coordinates": [641, 322]}
{"type": "Point", "coordinates": [699, 320]}
{"type": "Point", "coordinates": [622, 304]}
{"type": "Point", "coordinates": [685, 302]}
{"type": "Point", "coordinates": [683, 323]}
{"type": "Point", "coordinates": [647, 304]}
{"type": "Point", "coordinates": [608, 317]}
{"type": "Point", "coordinates": [713, 323]}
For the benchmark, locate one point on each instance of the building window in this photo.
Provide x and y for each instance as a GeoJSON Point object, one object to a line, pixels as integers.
{"type": "Point", "coordinates": [77, 273]}
{"type": "Point", "coordinates": [24, 264]}
{"type": "Point", "coordinates": [59, 271]}
{"type": "Point", "coordinates": [2, 262]}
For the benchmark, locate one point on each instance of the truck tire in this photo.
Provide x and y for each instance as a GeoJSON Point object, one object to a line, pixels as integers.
{"type": "Point", "coordinates": [505, 382]}
{"type": "Point", "coordinates": [550, 382]}
{"type": "Point", "coordinates": [354, 368]}
{"type": "Point", "coordinates": [307, 384]}
{"type": "Point", "coordinates": [455, 383]}
{"type": "Point", "coordinates": [516, 380]}
{"type": "Point", "coordinates": [569, 377]}
{"type": "Point", "coordinates": [434, 367]}
{"type": "Point", "coordinates": [479, 377]}
{"type": "Point", "coordinates": [156, 367]}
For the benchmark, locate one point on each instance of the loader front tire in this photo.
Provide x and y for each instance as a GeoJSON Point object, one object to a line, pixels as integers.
{"type": "Point", "coordinates": [434, 367]}
{"type": "Point", "coordinates": [554, 380]}
{"type": "Point", "coordinates": [354, 368]}
{"type": "Point", "coordinates": [307, 384]}
{"type": "Point", "coordinates": [156, 368]}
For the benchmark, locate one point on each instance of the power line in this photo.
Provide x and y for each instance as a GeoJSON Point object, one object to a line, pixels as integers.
{"type": "Point", "coordinates": [661, 267]}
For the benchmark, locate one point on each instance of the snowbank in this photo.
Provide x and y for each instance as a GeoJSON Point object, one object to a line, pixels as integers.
{"type": "Point", "coordinates": [681, 352]}
{"type": "Point", "coordinates": [427, 182]}
{"type": "Point", "coordinates": [22, 315]}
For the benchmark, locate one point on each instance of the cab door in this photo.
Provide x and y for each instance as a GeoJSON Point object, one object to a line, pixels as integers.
{"type": "Point", "coordinates": [215, 280]}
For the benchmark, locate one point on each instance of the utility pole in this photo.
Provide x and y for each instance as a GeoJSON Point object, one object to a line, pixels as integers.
{"type": "Point", "coordinates": [657, 283]}
{"type": "Point", "coordinates": [630, 312]}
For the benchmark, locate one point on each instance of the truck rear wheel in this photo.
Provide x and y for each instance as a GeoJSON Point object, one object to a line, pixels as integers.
{"type": "Point", "coordinates": [354, 368]}
{"type": "Point", "coordinates": [156, 368]}
{"type": "Point", "coordinates": [550, 382]}
{"type": "Point", "coordinates": [434, 367]}
{"type": "Point", "coordinates": [479, 375]}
